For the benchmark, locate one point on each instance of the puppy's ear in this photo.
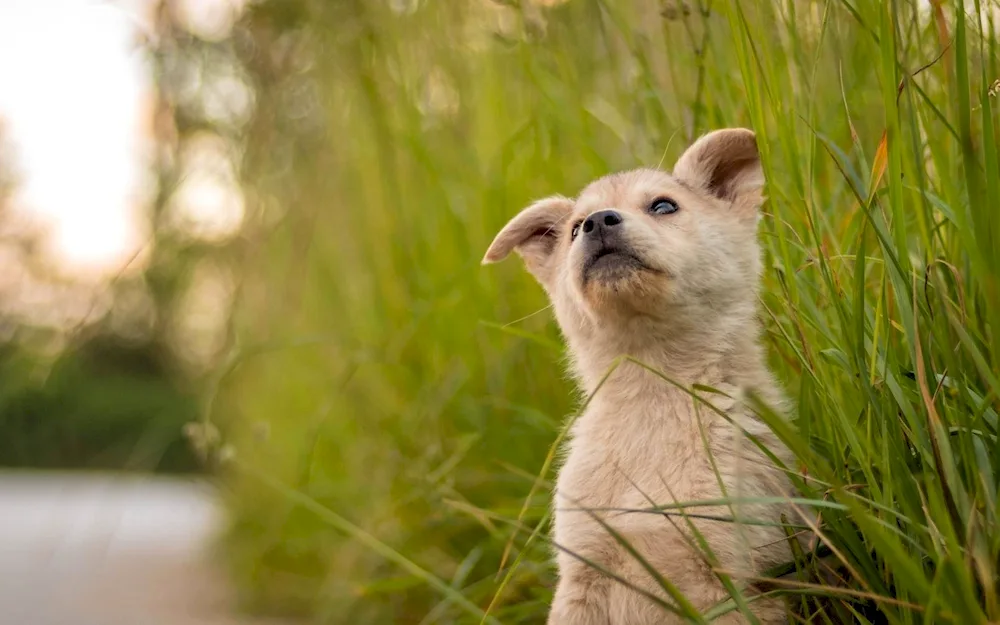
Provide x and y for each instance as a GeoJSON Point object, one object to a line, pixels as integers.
{"type": "Point", "coordinates": [726, 164]}
{"type": "Point", "coordinates": [533, 234]}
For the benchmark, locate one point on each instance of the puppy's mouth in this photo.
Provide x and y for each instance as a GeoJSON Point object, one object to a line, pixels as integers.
{"type": "Point", "coordinates": [611, 262]}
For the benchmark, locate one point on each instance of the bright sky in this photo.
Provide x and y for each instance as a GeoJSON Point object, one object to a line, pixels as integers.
{"type": "Point", "coordinates": [72, 89]}
{"type": "Point", "coordinates": [75, 102]}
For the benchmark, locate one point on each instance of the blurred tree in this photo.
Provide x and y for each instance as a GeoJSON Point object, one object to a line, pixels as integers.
{"type": "Point", "coordinates": [107, 376]}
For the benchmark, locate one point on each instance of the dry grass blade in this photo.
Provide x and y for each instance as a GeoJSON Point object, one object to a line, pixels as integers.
{"type": "Point", "coordinates": [881, 160]}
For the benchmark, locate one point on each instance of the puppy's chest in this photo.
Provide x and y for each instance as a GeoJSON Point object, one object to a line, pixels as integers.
{"type": "Point", "coordinates": [623, 458]}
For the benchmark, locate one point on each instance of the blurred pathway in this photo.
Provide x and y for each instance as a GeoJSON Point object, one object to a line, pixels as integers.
{"type": "Point", "coordinates": [101, 549]}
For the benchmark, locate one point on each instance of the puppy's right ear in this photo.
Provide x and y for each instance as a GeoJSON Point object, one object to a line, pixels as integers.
{"type": "Point", "coordinates": [533, 234]}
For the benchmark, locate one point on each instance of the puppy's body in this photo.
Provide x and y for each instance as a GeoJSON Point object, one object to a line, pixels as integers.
{"type": "Point", "coordinates": [663, 268]}
{"type": "Point", "coordinates": [644, 442]}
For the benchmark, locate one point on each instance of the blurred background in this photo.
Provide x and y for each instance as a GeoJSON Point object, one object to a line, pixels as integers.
{"type": "Point", "coordinates": [119, 203]}
{"type": "Point", "coordinates": [250, 366]}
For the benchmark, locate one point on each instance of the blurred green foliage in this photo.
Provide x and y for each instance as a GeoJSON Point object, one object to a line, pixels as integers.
{"type": "Point", "coordinates": [103, 404]}
{"type": "Point", "coordinates": [393, 401]}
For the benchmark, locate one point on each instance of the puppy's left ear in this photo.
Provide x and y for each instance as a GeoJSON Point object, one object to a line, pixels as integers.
{"type": "Point", "coordinates": [725, 163]}
{"type": "Point", "coordinates": [533, 234]}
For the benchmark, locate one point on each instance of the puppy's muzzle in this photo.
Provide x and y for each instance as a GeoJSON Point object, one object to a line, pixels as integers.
{"type": "Point", "coordinates": [604, 244]}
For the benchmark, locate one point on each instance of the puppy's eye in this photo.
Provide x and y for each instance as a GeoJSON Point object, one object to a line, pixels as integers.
{"type": "Point", "coordinates": [663, 206]}
{"type": "Point", "coordinates": [575, 231]}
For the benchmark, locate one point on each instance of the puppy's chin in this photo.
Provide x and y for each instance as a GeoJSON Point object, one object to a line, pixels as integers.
{"type": "Point", "coordinates": [610, 267]}
{"type": "Point", "coordinates": [621, 282]}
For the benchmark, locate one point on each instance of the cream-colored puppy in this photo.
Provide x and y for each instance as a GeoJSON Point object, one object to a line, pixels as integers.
{"type": "Point", "coordinates": [664, 268]}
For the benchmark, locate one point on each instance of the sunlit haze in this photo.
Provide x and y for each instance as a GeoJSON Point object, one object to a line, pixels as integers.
{"type": "Point", "coordinates": [72, 89]}
{"type": "Point", "coordinates": [75, 95]}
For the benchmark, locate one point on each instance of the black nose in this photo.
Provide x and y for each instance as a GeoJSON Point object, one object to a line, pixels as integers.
{"type": "Point", "coordinates": [602, 220]}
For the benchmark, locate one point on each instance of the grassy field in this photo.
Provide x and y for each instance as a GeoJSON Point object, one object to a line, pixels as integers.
{"type": "Point", "coordinates": [393, 403]}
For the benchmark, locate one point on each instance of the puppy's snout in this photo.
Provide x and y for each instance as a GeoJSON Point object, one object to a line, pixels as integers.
{"type": "Point", "coordinates": [601, 221]}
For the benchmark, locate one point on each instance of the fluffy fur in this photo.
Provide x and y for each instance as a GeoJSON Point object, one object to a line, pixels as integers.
{"type": "Point", "coordinates": [677, 291]}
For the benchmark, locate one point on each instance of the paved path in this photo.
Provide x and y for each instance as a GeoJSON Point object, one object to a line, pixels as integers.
{"type": "Point", "coordinates": [99, 549]}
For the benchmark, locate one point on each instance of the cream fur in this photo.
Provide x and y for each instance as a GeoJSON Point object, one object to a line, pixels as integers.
{"type": "Point", "coordinates": [690, 313]}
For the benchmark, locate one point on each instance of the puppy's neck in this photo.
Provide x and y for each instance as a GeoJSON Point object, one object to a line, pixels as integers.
{"type": "Point", "coordinates": [708, 349]}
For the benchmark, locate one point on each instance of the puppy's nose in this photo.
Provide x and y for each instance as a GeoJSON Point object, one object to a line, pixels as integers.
{"type": "Point", "coordinates": [602, 220]}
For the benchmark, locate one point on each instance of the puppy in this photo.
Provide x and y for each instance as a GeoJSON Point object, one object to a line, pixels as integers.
{"type": "Point", "coordinates": [663, 268]}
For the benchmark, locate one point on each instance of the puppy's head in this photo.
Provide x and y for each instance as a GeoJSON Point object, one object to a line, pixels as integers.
{"type": "Point", "coordinates": [649, 243]}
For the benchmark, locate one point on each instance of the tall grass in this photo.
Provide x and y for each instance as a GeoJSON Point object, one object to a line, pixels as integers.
{"type": "Point", "coordinates": [395, 403]}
